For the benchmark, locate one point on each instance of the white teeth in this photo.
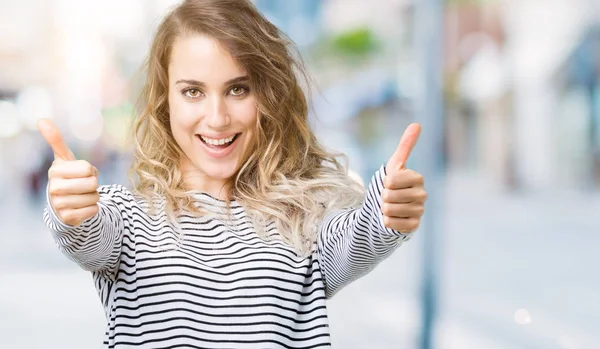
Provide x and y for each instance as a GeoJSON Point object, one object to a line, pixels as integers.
{"type": "Point", "coordinates": [217, 141]}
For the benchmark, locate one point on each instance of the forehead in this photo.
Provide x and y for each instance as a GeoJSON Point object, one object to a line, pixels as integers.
{"type": "Point", "coordinates": [202, 58]}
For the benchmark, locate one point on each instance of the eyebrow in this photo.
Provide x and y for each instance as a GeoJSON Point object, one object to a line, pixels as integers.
{"type": "Point", "coordinates": [200, 83]}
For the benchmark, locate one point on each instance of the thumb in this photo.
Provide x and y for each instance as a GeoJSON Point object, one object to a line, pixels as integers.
{"type": "Point", "coordinates": [405, 147]}
{"type": "Point", "coordinates": [52, 135]}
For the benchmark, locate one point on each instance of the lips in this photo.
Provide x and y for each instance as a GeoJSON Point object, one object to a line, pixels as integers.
{"type": "Point", "coordinates": [218, 147]}
{"type": "Point", "coordinates": [219, 143]}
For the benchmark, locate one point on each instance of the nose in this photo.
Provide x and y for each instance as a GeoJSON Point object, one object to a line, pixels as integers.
{"type": "Point", "coordinates": [217, 116]}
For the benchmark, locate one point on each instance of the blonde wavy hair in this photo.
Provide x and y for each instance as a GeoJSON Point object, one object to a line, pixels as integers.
{"type": "Point", "coordinates": [288, 178]}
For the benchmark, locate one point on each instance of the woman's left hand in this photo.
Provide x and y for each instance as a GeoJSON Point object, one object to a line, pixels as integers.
{"type": "Point", "coordinates": [404, 195]}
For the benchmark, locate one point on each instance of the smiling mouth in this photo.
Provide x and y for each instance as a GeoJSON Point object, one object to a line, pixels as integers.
{"type": "Point", "coordinates": [218, 143]}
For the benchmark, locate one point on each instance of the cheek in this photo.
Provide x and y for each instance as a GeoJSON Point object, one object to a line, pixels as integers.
{"type": "Point", "coordinates": [180, 115]}
{"type": "Point", "coordinates": [180, 124]}
{"type": "Point", "coordinates": [246, 113]}
{"type": "Point", "coordinates": [249, 120]}
{"type": "Point", "coordinates": [173, 113]}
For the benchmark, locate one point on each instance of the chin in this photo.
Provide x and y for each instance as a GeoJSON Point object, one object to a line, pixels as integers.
{"type": "Point", "coordinates": [219, 171]}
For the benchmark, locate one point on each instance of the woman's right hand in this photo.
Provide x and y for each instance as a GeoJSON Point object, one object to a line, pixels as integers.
{"type": "Point", "coordinates": [72, 183]}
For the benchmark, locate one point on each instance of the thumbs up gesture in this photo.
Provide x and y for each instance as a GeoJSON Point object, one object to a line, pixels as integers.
{"type": "Point", "coordinates": [72, 183]}
{"type": "Point", "coordinates": [403, 199]}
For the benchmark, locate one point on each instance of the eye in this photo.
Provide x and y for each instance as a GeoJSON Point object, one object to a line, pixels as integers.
{"type": "Point", "coordinates": [192, 93]}
{"type": "Point", "coordinates": [238, 91]}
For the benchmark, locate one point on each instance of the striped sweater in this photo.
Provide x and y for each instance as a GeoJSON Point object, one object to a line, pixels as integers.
{"type": "Point", "coordinates": [218, 284]}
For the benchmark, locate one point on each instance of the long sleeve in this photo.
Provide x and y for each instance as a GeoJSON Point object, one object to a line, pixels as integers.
{"type": "Point", "coordinates": [352, 242]}
{"type": "Point", "coordinates": [95, 244]}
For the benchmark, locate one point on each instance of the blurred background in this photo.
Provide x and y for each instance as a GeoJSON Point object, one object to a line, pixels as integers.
{"type": "Point", "coordinates": [508, 92]}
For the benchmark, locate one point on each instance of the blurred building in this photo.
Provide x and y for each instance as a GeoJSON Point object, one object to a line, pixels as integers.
{"type": "Point", "coordinates": [504, 112]}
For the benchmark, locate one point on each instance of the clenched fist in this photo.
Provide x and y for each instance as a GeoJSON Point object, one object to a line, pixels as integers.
{"type": "Point", "coordinates": [403, 199]}
{"type": "Point", "coordinates": [72, 183]}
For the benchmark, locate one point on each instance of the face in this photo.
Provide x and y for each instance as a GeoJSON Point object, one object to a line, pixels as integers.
{"type": "Point", "coordinates": [212, 111]}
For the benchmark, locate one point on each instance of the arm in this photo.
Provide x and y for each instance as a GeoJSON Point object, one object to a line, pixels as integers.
{"type": "Point", "coordinates": [87, 221]}
{"type": "Point", "coordinates": [94, 244]}
{"type": "Point", "coordinates": [352, 242]}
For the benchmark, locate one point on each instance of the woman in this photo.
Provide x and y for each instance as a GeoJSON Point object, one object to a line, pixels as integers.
{"type": "Point", "coordinates": [240, 224]}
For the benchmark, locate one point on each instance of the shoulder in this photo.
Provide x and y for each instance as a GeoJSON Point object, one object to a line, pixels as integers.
{"type": "Point", "coordinates": [112, 189]}
{"type": "Point", "coordinates": [122, 193]}
{"type": "Point", "coordinates": [117, 192]}
{"type": "Point", "coordinates": [130, 200]}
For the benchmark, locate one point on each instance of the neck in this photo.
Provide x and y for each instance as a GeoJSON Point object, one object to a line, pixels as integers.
{"type": "Point", "coordinates": [195, 179]}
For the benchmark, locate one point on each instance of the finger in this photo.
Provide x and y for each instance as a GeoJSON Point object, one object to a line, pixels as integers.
{"type": "Point", "coordinates": [403, 225]}
{"type": "Point", "coordinates": [403, 196]}
{"type": "Point", "coordinates": [406, 145]}
{"type": "Point", "coordinates": [410, 210]}
{"type": "Point", "coordinates": [52, 135]}
{"type": "Point", "coordinates": [72, 169]}
{"type": "Point", "coordinates": [63, 202]}
{"type": "Point", "coordinates": [403, 179]}
{"type": "Point", "coordinates": [76, 216]}
{"type": "Point", "coordinates": [73, 186]}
